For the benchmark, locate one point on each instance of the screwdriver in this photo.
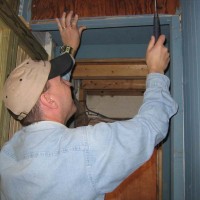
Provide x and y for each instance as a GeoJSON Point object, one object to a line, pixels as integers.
{"type": "Point", "coordinates": [156, 23]}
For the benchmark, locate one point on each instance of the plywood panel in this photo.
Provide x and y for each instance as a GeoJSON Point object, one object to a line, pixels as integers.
{"type": "Point", "coordinates": [141, 185]}
{"type": "Point", "coordinates": [49, 9]}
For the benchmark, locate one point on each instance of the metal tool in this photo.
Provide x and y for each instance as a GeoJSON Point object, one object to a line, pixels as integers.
{"type": "Point", "coordinates": [156, 23]}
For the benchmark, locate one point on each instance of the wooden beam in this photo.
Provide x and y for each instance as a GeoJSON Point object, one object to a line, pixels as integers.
{"type": "Point", "coordinates": [15, 4]}
{"type": "Point", "coordinates": [115, 92]}
{"type": "Point", "coordinates": [26, 38]}
{"type": "Point", "coordinates": [113, 84]}
{"type": "Point", "coordinates": [111, 69]}
{"type": "Point", "coordinates": [112, 60]}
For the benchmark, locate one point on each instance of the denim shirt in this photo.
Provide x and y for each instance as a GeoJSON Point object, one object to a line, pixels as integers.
{"type": "Point", "coordinates": [48, 161]}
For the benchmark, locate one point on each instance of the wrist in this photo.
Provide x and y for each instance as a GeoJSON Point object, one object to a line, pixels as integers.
{"type": "Point", "coordinates": [160, 71]}
{"type": "Point", "coordinates": [67, 49]}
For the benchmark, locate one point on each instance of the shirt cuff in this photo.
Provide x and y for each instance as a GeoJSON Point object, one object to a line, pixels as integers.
{"type": "Point", "coordinates": [157, 80]}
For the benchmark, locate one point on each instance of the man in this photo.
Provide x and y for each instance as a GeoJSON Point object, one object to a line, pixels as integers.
{"type": "Point", "coordinates": [46, 160]}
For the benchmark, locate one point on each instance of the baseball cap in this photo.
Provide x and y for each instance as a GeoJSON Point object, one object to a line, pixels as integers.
{"type": "Point", "coordinates": [26, 82]}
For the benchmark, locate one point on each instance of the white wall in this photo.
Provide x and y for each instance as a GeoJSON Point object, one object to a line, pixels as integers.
{"type": "Point", "coordinates": [115, 106]}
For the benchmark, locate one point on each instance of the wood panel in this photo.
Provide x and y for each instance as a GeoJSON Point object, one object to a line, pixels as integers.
{"type": "Point", "coordinates": [5, 35]}
{"type": "Point", "coordinates": [49, 9]}
{"type": "Point", "coordinates": [14, 38]}
{"type": "Point", "coordinates": [21, 55]}
{"type": "Point", "coordinates": [114, 84]}
{"type": "Point", "coordinates": [26, 39]}
{"type": "Point", "coordinates": [142, 184]}
{"type": "Point", "coordinates": [114, 87]}
{"type": "Point", "coordinates": [110, 69]}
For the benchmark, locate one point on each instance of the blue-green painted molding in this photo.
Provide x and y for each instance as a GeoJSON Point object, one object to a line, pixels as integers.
{"type": "Point", "coordinates": [191, 77]}
{"type": "Point", "coordinates": [177, 138]}
{"type": "Point", "coordinates": [108, 22]}
{"type": "Point", "coordinates": [109, 51]}
{"type": "Point", "coordinates": [25, 9]}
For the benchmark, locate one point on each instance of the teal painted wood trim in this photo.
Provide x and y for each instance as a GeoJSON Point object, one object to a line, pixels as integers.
{"type": "Point", "coordinates": [112, 51]}
{"type": "Point", "coordinates": [166, 162]}
{"type": "Point", "coordinates": [177, 139]}
{"type": "Point", "coordinates": [191, 77]}
{"type": "Point", "coordinates": [108, 22]}
{"type": "Point", "coordinates": [25, 9]}
{"type": "Point", "coordinates": [109, 51]}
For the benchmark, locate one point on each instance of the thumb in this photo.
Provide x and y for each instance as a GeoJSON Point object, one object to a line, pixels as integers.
{"type": "Point", "coordinates": [161, 40]}
{"type": "Point", "coordinates": [81, 29]}
{"type": "Point", "coordinates": [151, 43]}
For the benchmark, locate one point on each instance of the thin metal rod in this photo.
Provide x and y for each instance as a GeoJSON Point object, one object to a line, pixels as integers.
{"type": "Point", "coordinates": [156, 21]}
{"type": "Point", "coordinates": [155, 4]}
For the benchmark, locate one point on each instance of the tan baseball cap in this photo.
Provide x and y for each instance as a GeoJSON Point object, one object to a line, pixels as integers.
{"type": "Point", "coordinates": [26, 82]}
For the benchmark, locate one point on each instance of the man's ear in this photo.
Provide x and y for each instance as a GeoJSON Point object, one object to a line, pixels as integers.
{"type": "Point", "coordinates": [47, 100]}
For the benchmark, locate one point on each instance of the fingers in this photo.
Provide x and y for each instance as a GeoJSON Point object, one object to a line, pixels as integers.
{"type": "Point", "coordinates": [161, 40]}
{"type": "Point", "coordinates": [62, 20]}
{"type": "Point", "coordinates": [65, 21]}
{"type": "Point", "coordinates": [157, 55]}
{"type": "Point", "coordinates": [151, 43]}
{"type": "Point", "coordinates": [74, 21]}
{"type": "Point", "coordinates": [68, 19]}
{"type": "Point", "coordinates": [58, 23]}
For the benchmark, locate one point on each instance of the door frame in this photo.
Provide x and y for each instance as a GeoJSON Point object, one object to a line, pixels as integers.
{"type": "Point", "coordinates": [173, 148]}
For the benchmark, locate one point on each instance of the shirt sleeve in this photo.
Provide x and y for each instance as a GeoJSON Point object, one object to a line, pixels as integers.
{"type": "Point", "coordinates": [118, 149]}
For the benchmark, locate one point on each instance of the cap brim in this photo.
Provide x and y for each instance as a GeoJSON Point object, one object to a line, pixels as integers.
{"type": "Point", "coordinates": [61, 65]}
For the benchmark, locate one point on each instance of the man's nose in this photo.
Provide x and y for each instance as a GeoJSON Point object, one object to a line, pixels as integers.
{"type": "Point", "coordinates": [67, 83]}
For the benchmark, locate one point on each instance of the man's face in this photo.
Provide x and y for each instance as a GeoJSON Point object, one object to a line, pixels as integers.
{"type": "Point", "coordinates": [61, 91]}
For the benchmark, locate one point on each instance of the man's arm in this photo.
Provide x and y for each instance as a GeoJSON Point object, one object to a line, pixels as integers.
{"type": "Point", "coordinates": [119, 148]}
{"type": "Point", "coordinates": [69, 31]}
{"type": "Point", "coordinates": [70, 34]}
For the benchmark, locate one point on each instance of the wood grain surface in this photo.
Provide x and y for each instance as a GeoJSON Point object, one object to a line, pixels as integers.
{"type": "Point", "coordinates": [49, 9]}
{"type": "Point", "coordinates": [141, 185]}
{"type": "Point", "coordinates": [26, 38]}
